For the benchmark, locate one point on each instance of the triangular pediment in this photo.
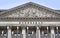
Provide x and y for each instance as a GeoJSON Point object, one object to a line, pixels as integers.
{"type": "Point", "coordinates": [30, 10]}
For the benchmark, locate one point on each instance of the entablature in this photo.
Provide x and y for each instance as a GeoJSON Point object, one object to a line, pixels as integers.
{"type": "Point", "coordinates": [29, 19]}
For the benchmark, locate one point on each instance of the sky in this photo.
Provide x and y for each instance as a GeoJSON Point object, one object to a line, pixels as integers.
{"type": "Point", "coordinates": [7, 4]}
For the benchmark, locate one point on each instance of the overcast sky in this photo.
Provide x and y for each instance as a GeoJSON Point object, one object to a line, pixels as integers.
{"type": "Point", "coordinates": [6, 4]}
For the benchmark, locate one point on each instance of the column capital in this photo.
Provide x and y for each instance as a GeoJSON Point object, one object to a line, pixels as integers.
{"type": "Point", "coordinates": [47, 27]}
{"type": "Point", "coordinates": [37, 27]}
{"type": "Point", "coordinates": [57, 27]}
{"type": "Point", "coordinates": [17, 27]}
{"type": "Point", "coordinates": [8, 27]}
{"type": "Point", "coordinates": [27, 28]}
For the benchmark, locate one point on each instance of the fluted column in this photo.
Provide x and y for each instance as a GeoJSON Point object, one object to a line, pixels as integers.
{"type": "Point", "coordinates": [24, 32]}
{"type": "Point", "coordinates": [38, 33]}
{"type": "Point", "coordinates": [9, 32]}
{"type": "Point", "coordinates": [52, 32]}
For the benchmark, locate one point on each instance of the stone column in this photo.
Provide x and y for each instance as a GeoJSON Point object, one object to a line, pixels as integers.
{"type": "Point", "coordinates": [48, 32]}
{"type": "Point", "coordinates": [24, 32]}
{"type": "Point", "coordinates": [57, 30]}
{"type": "Point", "coordinates": [52, 32]}
{"type": "Point", "coordinates": [2, 34]}
{"type": "Point", "coordinates": [9, 32]}
{"type": "Point", "coordinates": [17, 31]}
{"type": "Point", "coordinates": [27, 30]}
{"type": "Point", "coordinates": [38, 33]}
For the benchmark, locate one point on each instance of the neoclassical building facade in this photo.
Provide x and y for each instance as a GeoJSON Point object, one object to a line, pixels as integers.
{"type": "Point", "coordinates": [30, 20]}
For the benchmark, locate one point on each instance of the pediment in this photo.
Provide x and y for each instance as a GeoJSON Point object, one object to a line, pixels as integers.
{"type": "Point", "coordinates": [30, 10]}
